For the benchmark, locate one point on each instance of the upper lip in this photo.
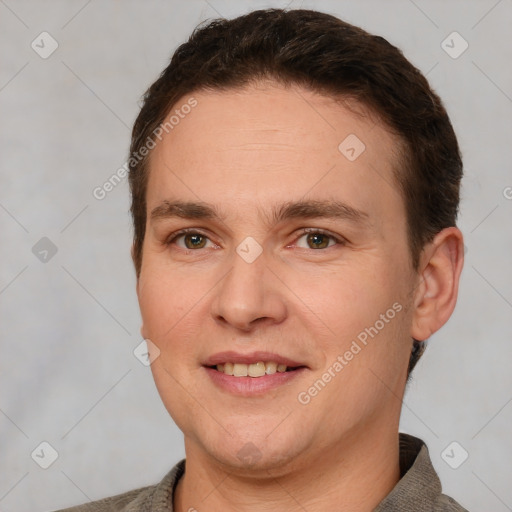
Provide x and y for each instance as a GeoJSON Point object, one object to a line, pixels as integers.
{"type": "Point", "coordinates": [250, 358]}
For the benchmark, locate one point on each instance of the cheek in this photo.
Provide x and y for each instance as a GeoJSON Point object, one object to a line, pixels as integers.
{"type": "Point", "coordinates": [158, 305]}
{"type": "Point", "coordinates": [172, 304]}
{"type": "Point", "coordinates": [360, 315]}
{"type": "Point", "coordinates": [166, 295]}
{"type": "Point", "coordinates": [344, 299]}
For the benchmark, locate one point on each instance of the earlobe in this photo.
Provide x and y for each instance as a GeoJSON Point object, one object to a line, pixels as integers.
{"type": "Point", "coordinates": [437, 290]}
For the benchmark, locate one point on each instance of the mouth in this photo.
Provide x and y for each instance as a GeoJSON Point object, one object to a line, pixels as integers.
{"type": "Point", "coordinates": [251, 374]}
{"type": "Point", "coordinates": [254, 370]}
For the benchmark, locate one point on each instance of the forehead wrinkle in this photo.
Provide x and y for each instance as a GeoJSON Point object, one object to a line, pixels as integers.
{"type": "Point", "coordinates": [264, 145]}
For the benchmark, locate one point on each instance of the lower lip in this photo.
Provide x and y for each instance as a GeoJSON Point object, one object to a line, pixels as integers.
{"type": "Point", "coordinates": [250, 386]}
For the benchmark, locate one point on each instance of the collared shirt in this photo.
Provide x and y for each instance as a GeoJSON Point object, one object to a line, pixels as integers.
{"type": "Point", "coordinates": [418, 490]}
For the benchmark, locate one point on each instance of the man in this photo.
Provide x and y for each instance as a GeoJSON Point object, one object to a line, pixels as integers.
{"type": "Point", "coordinates": [295, 187]}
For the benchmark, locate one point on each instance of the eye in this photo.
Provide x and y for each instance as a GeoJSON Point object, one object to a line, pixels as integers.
{"type": "Point", "coordinates": [319, 239]}
{"type": "Point", "coordinates": [314, 239]}
{"type": "Point", "coordinates": [191, 239]}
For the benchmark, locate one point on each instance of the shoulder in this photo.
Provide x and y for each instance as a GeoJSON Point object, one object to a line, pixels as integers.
{"type": "Point", "coordinates": [153, 497]}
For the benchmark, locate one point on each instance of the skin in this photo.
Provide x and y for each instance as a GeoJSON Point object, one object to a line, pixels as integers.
{"type": "Point", "coordinates": [245, 151]}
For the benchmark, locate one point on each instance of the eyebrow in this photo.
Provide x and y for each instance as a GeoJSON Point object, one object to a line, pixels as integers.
{"type": "Point", "coordinates": [303, 209]}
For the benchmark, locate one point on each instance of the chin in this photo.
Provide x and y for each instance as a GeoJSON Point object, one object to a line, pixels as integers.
{"type": "Point", "coordinates": [251, 455]}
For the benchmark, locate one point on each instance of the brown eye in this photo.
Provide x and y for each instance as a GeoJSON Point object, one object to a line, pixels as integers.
{"type": "Point", "coordinates": [194, 241]}
{"type": "Point", "coordinates": [188, 240]}
{"type": "Point", "coordinates": [316, 239]}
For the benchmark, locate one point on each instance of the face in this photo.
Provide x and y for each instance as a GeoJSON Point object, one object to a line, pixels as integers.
{"type": "Point", "coordinates": [296, 253]}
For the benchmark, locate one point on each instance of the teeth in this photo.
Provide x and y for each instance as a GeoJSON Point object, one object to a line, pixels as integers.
{"type": "Point", "coordinates": [240, 370]}
{"type": "Point", "coordinates": [258, 369]}
{"type": "Point", "coordinates": [270, 368]}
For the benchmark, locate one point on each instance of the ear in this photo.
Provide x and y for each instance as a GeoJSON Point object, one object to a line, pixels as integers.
{"type": "Point", "coordinates": [436, 295]}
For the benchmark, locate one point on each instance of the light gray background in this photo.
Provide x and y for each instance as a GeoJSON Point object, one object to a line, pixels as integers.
{"type": "Point", "coordinates": [70, 325]}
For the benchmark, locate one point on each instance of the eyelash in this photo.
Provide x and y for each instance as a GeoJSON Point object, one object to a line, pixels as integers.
{"type": "Point", "coordinates": [305, 231]}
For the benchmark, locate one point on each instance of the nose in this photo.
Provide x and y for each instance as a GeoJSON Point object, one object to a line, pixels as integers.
{"type": "Point", "coordinates": [249, 295]}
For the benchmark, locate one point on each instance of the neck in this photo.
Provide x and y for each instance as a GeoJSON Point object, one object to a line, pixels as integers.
{"type": "Point", "coordinates": [356, 475]}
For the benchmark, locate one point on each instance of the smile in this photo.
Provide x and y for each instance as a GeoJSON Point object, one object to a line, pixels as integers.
{"type": "Point", "coordinates": [255, 370]}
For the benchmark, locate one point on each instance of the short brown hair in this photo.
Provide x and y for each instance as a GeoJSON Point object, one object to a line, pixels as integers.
{"type": "Point", "coordinates": [326, 55]}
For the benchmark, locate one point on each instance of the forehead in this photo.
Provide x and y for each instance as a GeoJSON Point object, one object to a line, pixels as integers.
{"type": "Point", "coordinates": [263, 143]}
